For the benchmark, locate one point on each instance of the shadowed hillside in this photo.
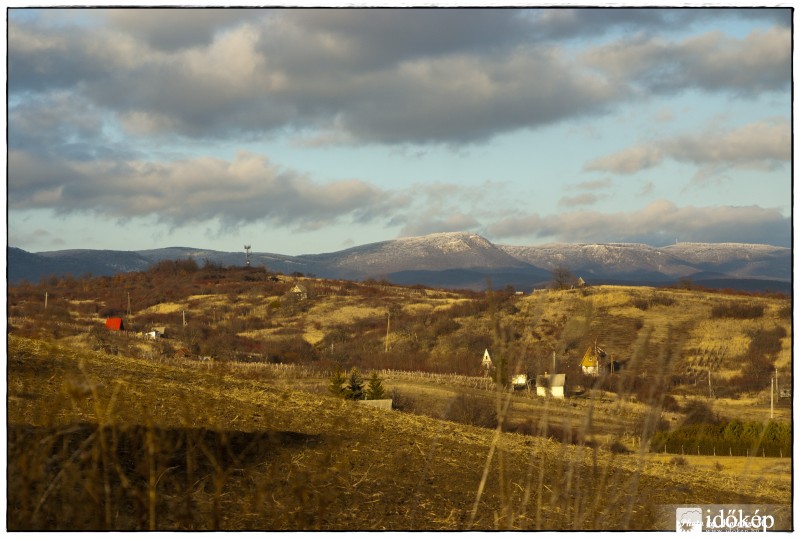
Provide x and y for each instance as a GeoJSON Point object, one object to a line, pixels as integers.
{"type": "Point", "coordinates": [228, 420]}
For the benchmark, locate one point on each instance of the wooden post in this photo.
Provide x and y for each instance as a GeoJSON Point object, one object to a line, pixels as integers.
{"type": "Point", "coordinates": [45, 300]}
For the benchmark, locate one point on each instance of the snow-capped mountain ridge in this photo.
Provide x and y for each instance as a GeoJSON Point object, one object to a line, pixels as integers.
{"type": "Point", "coordinates": [456, 259]}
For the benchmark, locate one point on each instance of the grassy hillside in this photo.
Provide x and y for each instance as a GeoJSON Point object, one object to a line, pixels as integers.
{"type": "Point", "coordinates": [104, 441]}
{"type": "Point", "coordinates": [113, 431]}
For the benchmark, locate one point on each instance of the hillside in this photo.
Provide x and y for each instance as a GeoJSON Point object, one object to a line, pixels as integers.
{"type": "Point", "coordinates": [227, 422]}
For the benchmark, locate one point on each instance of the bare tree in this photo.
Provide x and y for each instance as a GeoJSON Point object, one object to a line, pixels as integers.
{"type": "Point", "coordinates": [563, 279]}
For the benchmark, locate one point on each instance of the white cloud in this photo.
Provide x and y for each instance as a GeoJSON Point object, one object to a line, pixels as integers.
{"type": "Point", "coordinates": [711, 61]}
{"type": "Point", "coordinates": [247, 189]}
{"type": "Point", "coordinates": [627, 161]}
{"type": "Point", "coordinates": [657, 224]}
{"type": "Point", "coordinates": [763, 144]}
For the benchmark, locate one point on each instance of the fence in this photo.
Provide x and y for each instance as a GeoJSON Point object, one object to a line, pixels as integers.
{"type": "Point", "coordinates": [706, 449]}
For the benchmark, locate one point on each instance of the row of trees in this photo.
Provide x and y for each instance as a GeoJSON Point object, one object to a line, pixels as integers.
{"type": "Point", "coordinates": [353, 387]}
{"type": "Point", "coordinates": [735, 437]}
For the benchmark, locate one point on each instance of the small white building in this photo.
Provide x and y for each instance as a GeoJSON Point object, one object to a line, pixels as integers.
{"type": "Point", "coordinates": [551, 385]}
{"type": "Point", "coordinates": [156, 333]}
{"type": "Point", "coordinates": [519, 381]}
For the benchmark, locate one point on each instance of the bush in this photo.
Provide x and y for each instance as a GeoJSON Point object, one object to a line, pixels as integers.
{"type": "Point", "coordinates": [698, 412]}
{"type": "Point", "coordinates": [737, 310]}
{"type": "Point", "coordinates": [618, 448]}
{"type": "Point", "coordinates": [473, 410]}
{"type": "Point", "coordinates": [402, 401]}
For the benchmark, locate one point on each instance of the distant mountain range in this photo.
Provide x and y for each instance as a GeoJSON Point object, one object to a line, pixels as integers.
{"type": "Point", "coordinates": [461, 260]}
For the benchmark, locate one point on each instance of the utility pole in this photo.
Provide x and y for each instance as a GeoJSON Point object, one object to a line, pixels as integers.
{"type": "Point", "coordinates": [388, 318]}
{"type": "Point", "coordinates": [776, 383]}
{"type": "Point", "coordinates": [772, 398]}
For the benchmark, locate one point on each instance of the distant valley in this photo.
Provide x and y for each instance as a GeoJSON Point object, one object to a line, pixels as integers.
{"type": "Point", "coordinates": [460, 260]}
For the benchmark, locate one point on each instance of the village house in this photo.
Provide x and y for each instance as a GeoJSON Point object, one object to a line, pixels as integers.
{"type": "Point", "coordinates": [551, 385]}
{"type": "Point", "coordinates": [156, 333]}
{"type": "Point", "coordinates": [487, 363]}
{"type": "Point", "coordinates": [590, 364]}
{"type": "Point", "coordinates": [115, 324]}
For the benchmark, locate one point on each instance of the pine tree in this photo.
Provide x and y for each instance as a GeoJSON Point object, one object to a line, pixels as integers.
{"type": "Point", "coordinates": [375, 388]}
{"type": "Point", "coordinates": [336, 383]}
{"type": "Point", "coordinates": [355, 386]}
{"type": "Point", "coordinates": [500, 373]}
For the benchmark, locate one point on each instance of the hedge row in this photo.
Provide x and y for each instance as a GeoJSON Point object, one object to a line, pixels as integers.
{"type": "Point", "coordinates": [736, 438]}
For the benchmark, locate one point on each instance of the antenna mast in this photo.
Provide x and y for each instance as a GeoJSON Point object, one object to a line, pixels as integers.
{"type": "Point", "coordinates": [247, 255]}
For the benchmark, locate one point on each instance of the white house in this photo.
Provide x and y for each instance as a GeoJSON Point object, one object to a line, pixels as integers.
{"type": "Point", "coordinates": [551, 385]}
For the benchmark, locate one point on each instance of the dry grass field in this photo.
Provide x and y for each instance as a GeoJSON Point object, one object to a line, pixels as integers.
{"type": "Point", "coordinates": [111, 431]}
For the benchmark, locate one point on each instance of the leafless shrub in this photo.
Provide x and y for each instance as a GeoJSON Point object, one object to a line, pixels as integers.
{"type": "Point", "coordinates": [737, 310]}
{"type": "Point", "coordinates": [472, 409]}
{"type": "Point", "coordinates": [402, 401]}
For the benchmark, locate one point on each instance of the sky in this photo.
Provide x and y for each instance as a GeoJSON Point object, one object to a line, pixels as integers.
{"type": "Point", "coordinates": [313, 130]}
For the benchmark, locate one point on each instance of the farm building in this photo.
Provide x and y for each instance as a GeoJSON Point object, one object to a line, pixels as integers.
{"type": "Point", "coordinates": [115, 324]}
{"type": "Point", "coordinates": [551, 385]}
{"type": "Point", "coordinates": [299, 291]}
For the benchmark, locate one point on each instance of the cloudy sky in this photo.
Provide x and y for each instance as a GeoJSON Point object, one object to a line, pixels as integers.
{"type": "Point", "coordinates": [312, 130]}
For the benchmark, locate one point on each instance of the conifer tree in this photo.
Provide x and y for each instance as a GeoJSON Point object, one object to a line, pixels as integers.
{"type": "Point", "coordinates": [355, 386]}
{"type": "Point", "coordinates": [375, 388]}
{"type": "Point", "coordinates": [500, 373]}
{"type": "Point", "coordinates": [336, 383]}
